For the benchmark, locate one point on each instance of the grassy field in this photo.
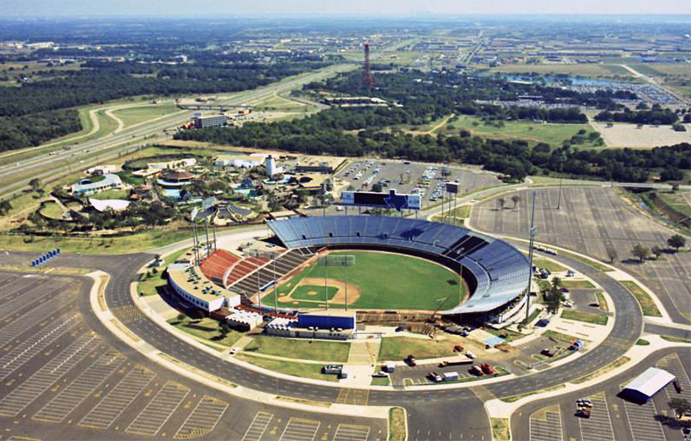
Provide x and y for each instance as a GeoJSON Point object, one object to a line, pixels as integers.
{"type": "Point", "coordinates": [675, 201]}
{"type": "Point", "coordinates": [111, 194]}
{"type": "Point", "coordinates": [398, 348]}
{"type": "Point", "coordinates": [500, 429]}
{"type": "Point", "coordinates": [583, 70]}
{"type": "Point", "coordinates": [554, 134]}
{"type": "Point", "coordinates": [136, 115]}
{"type": "Point", "coordinates": [148, 286]}
{"type": "Point", "coordinates": [385, 281]}
{"type": "Point", "coordinates": [647, 304]}
{"type": "Point", "coordinates": [52, 210]}
{"type": "Point", "coordinates": [587, 317]}
{"type": "Point", "coordinates": [305, 370]}
{"type": "Point", "coordinates": [300, 348]}
{"type": "Point", "coordinates": [549, 265]}
{"type": "Point", "coordinates": [583, 284]}
{"type": "Point", "coordinates": [94, 245]}
{"type": "Point", "coordinates": [206, 329]}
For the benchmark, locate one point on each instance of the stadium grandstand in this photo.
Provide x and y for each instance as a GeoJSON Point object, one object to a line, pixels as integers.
{"type": "Point", "coordinates": [496, 273]}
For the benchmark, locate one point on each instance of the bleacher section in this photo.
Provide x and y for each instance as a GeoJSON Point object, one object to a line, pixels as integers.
{"type": "Point", "coordinates": [501, 272]}
{"type": "Point", "coordinates": [242, 269]}
{"type": "Point", "coordinates": [215, 266]}
{"type": "Point", "coordinates": [261, 276]}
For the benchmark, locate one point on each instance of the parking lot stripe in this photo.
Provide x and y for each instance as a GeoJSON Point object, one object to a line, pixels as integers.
{"type": "Point", "coordinates": [547, 429]}
{"type": "Point", "coordinates": [159, 410]}
{"type": "Point", "coordinates": [676, 368]}
{"type": "Point", "coordinates": [300, 429]}
{"type": "Point", "coordinates": [642, 422]}
{"type": "Point", "coordinates": [258, 426]}
{"type": "Point", "coordinates": [118, 399]}
{"type": "Point", "coordinates": [203, 418]}
{"type": "Point", "coordinates": [34, 344]}
{"type": "Point", "coordinates": [351, 432]}
{"type": "Point", "coordinates": [599, 426]}
{"type": "Point", "coordinates": [25, 322]}
{"type": "Point", "coordinates": [56, 410]}
{"type": "Point", "coordinates": [40, 381]}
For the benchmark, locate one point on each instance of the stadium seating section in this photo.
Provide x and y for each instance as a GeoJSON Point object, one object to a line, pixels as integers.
{"type": "Point", "coordinates": [501, 272]}
{"type": "Point", "coordinates": [215, 266]}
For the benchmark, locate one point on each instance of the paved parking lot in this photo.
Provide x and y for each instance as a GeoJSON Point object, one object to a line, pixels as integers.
{"type": "Point", "coordinates": [613, 418]}
{"type": "Point", "coordinates": [545, 425]}
{"type": "Point", "coordinates": [589, 221]}
{"type": "Point", "coordinates": [64, 380]}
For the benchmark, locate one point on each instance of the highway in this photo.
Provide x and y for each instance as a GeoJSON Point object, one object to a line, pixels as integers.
{"type": "Point", "coordinates": [16, 175]}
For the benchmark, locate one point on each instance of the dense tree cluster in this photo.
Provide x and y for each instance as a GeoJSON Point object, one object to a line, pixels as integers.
{"type": "Point", "coordinates": [22, 131]}
{"type": "Point", "coordinates": [40, 110]}
{"type": "Point", "coordinates": [655, 116]}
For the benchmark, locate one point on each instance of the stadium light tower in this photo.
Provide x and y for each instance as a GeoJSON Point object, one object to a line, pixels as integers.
{"type": "Point", "coordinates": [272, 255]}
{"type": "Point", "coordinates": [533, 232]}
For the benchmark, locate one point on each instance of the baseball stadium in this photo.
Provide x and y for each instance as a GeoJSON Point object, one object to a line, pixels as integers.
{"type": "Point", "coordinates": [374, 264]}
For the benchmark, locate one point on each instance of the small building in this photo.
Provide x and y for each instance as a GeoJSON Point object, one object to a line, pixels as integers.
{"type": "Point", "coordinates": [244, 320]}
{"type": "Point", "coordinates": [327, 319]}
{"type": "Point", "coordinates": [96, 185]}
{"type": "Point", "coordinates": [201, 122]}
{"type": "Point", "coordinates": [646, 385]}
{"type": "Point", "coordinates": [318, 165]}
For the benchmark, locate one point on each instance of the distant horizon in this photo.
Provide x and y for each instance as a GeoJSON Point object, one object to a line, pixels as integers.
{"type": "Point", "coordinates": [335, 8]}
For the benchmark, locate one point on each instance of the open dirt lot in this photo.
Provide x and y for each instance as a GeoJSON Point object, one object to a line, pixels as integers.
{"type": "Point", "coordinates": [629, 135]}
{"type": "Point", "coordinates": [590, 219]}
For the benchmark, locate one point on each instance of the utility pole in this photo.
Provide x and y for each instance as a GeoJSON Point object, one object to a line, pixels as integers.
{"type": "Point", "coordinates": [533, 232]}
{"type": "Point", "coordinates": [559, 200]}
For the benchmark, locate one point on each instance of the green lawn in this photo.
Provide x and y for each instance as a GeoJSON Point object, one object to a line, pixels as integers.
{"type": "Point", "coordinates": [305, 370]}
{"type": "Point", "coordinates": [583, 284]}
{"type": "Point", "coordinates": [311, 292]}
{"type": "Point", "coordinates": [207, 329]}
{"type": "Point", "coordinates": [549, 265]}
{"type": "Point", "coordinates": [386, 281]}
{"type": "Point", "coordinates": [647, 305]}
{"type": "Point", "coordinates": [602, 301]}
{"type": "Point", "coordinates": [398, 348]}
{"type": "Point", "coordinates": [300, 348]}
{"type": "Point", "coordinates": [110, 194]}
{"type": "Point", "coordinates": [587, 317]}
{"type": "Point", "coordinates": [52, 210]}
{"type": "Point", "coordinates": [136, 115]}
{"type": "Point", "coordinates": [553, 134]}
{"type": "Point", "coordinates": [675, 201]}
{"type": "Point", "coordinates": [96, 245]}
{"type": "Point", "coordinates": [148, 286]}
{"type": "Point", "coordinates": [381, 381]}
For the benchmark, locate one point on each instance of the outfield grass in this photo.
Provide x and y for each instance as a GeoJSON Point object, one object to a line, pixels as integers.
{"type": "Point", "coordinates": [398, 348]}
{"type": "Point", "coordinates": [583, 284]}
{"type": "Point", "coordinates": [305, 370]}
{"type": "Point", "coordinates": [206, 329]}
{"type": "Point", "coordinates": [647, 305]}
{"type": "Point", "coordinates": [311, 292]}
{"type": "Point", "coordinates": [300, 348]}
{"type": "Point", "coordinates": [587, 317]}
{"type": "Point", "coordinates": [385, 280]}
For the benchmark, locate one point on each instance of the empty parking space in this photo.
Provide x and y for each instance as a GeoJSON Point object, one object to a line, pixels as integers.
{"type": "Point", "coordinates": [546, 426]}
{"type": "Point", "coordinates": [599, 426]}
{"type": "Point", "coordinates": [351, 432]}
{"type": "Point", "coordinates": [258, 426]}
{"type": "Point", "coordinates": [203, 419]}
{"type": "Point", "coordinates": [300, 429]}
{"type": "Point", "coordinates": [56, 410]}
{"type": "Point", "coordinates": [674, 366]}
{"type": "Point", "coordinates": [353, 396]}
{"type": "Point", "coordinates": [39, 382]}
{"type": "Point", "coordinates": [642, 422]}
{"type": "Point", "coordinates": [26, 322]}
{"type": "Point", "coordinates": [29, 347]}
{"type": "Point", "coordinates": [159, 410]}
{"type": "Point", "coordinates": [118, 399]}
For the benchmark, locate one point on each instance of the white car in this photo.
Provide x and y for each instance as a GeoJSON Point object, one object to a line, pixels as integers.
{"type": "Point", "coordinates": [470, 355]}
{"type": "Point", "coordinates": [234, 351]}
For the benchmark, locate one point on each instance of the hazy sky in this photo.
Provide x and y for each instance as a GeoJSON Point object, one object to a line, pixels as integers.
{"type": "Point", "coordinates": [399, 8]}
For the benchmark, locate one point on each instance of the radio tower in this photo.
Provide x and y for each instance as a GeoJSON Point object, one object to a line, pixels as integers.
{"type": "Point", "coordinates": [367, 79]}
